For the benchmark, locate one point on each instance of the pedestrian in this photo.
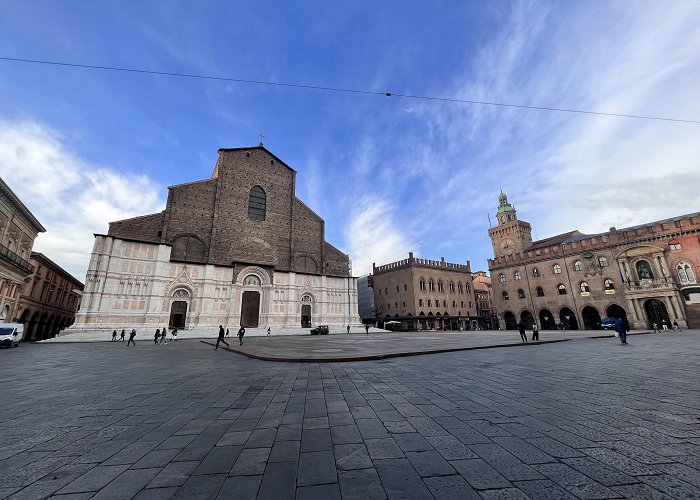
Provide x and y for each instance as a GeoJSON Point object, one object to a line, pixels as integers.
{"type": "Point", "coordinates": [114, 336]}
{"type": "Point", "coordinates": [268, 331]}
{"type": "Point", "coordinates": [174, 334]}
{"type": "Point", "coordinates": [366, 329]}
{"type": "Point", "coordinates": [156, 336]}
{"type": "Point", "coordinates": [348, 328]}
{"type": "Point", "coordinates": [656, 328]}
{"type": "Point", "coordinates": [131, 338]}
{"type": "Point", "coordinates": [621, 327]}
{"type": "Point", "coordinates": [164, 337]}
{"type": "Point", "coordinates": [664, 324]}
{"type": "Point", "coordinates": [221, 337]}
{"type": "Point", "coordinates": [121, 338]}
{"type": "Point", "coordinates": [227, 332]}
{"type": "Point", "coordinates": [241, 333]}
{"type": "Point", "coordinates": [676, 328]}
{"type": "Point", "coordinates": [521, 329]}
{"type": "Point", "coordinates": [535, 332]}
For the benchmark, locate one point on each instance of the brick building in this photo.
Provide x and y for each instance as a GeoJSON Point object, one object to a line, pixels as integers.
{"type": "Point", "coordinates": [238, 248]}
{"type": "Point", "coordinates": [18, 229]}
{"type": "Point", "coordinates": [486, 315]}
{"type": "Point", "coordinates": [646, 273]}
{"type": "Point", "coordinates": [49, 299]}
{"type": "Point", "coordinates": [424, 294]}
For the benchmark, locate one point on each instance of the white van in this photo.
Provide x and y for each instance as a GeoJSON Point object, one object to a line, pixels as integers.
{"type": "Point", "coordinates": [11, 334]}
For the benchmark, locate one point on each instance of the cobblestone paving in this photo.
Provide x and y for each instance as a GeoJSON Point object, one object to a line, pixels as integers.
{"type": "Point", "coordinates": [580, 419]}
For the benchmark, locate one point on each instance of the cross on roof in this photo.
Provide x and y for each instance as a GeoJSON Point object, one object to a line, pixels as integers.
{"type": "Point", "coordinates": [261, 139]}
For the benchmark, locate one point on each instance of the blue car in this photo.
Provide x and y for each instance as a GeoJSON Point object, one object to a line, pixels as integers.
{"type": "Point", "coordinates": [608, 323]}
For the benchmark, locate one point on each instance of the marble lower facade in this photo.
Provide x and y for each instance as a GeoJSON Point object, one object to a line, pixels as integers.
{"type": "Point", "coordinates": [133, 284]}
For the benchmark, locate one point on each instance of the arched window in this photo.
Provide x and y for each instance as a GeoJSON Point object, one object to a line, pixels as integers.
{"type": "Point", "coordinates": [521, 293]}
{"type": "Point", "coordinates": [440, 286]}
{"type": "Point", "coordinates": [644, 270]}
{"type": "Point", "coordinates": [452, 286]}
{"type": "Point", "coordinates": [535, 272]}
{"type": "Point", "coordinates": [469, 289]}
{"type": "Point", "coordinates": [584, 287]}
{"type": "Point", "coordinates": [540, 291]}
{"type": "Point", "coordinates": [685, 273]}
{"type": "Point", "coordinates": [674, 245]}
{"type": "Point", "coordinates": [257, 203]}
{"type": "Point", "coordinates": [420, 302]}
{"type": "Point", "coordinates": [397, 288]}
{"type": "Point", "coordinates": [422, 284]}
{"type": "Point", "coordinates": [181, 292]}
{"type": "Point", "coordinates": [460, 287]}
{"type": "Point", "coordinates": [253, 280]}
{"type": "Point", "coordinates": [516, 275]}
{"type": "Point", "coordinates": [603, 261]}
{"type": "Point", "coordinates": [556, 268]}
{"type": "Point", "coordinates": [561, 289]}
{"type": "Point", "coordinates": [578, 266]}
{"type": "Point", "coordinates": [431, 285]}
{"type": "Point", "coordinates": [609, 285]}
{"type": "Point", "coordinates": [501, 278]}
{"type": "Point", "coordinates": [405, 287]}
{"type": "Point", "coordinates": [505, 295]}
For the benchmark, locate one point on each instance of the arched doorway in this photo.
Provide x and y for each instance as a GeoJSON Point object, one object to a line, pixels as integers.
{"type": "Point", "coordinates": [30, 334]}
{"type": "Point", "coordinates": [547, 320]}
{"type": "Point", "coordinates": [306, 311]}
{"type": "Point", "coordinates": [568, 318]}
{"type": "Point", "coordinates": [615, 311]}
{"type": "Point", "coordinates": [509, 318]}
{"type": "Point", "coordinates": [250, 309]}
{"type": "Point", "coordinates": [591, 318]}
{"type": "Point", "coordinates": [656, 312]}
{"type": "Point", "coordinates": [527, 319]}
{"type": "Point", "coordinates": [178, 314]}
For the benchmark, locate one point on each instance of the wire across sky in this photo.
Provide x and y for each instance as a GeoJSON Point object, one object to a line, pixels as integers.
{"type": "Point", "coordinates": [341, 90]}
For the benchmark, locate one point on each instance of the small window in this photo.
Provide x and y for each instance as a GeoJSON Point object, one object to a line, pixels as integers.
{"type": "Point", "coordinates": [405, 287]}
{"type": "Point", "coordinates": [444, 303]}
{"type": "Point", "coordinates": [685, 273]}
{"type": "Point", "coordinates": [603, 261]}
{"type": "Point", "coordinates": [584, 287]}
{"type": "Point", "coordinates": [674, 245]}
{"type": "Point", "coordinates": [561, 289]}
{"type": "Point", "coordinates": [460, 288]}
{"type": "Point", "coordinates": [452, 287]}
{"type": "Point", "coordinates": [397, 288]}
{"type": "Point", "coordinates": [469, 289]}
{"type": "Point", "coordinates": [257, 203]}
{"type": "Point", "coordinates": [420, 302]}
{"type": "Point", "coordinates": [540, 291]}
{"type": "Point", "coordinates": [461, 303]}
{"type": "Point", "coordinates": [521, 293]}
{"type": "Point", "coordinates": [505, 295]}
{"type": "Point", "coordinates": [501, 278]}
{"type": "Point", "coordinates": [429, 303]}
{"type": "Point", "coordinates": [454, 304]}
{"type": "Point", "coordinates": [578, 266]}
{"type": "Point", "coordinates": [386, 291]}
{"type": "Point", "coordinates": [609, 285]}
{"type": "Point", "coordinates": [556, 268]}
{"type": "Point", "coordinates": [440, 286]}
{"type": "Point", "coordinates": [404, 304]}
{"type": "Point", "coordinates": [535, 272]}
{"type": "Point", "coordinates": [431, 285]}
{"type": "Point", "coordinates": [422, 285]}
{"type": "Point", "coordinates": [396, 305]}
{"type": "Point", "coordinates": [516, 275]}
{"type": "Point", "coordinates": [380, 292]}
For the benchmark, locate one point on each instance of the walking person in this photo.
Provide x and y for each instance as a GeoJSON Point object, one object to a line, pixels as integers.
{"type": "Point", "coordinates": [227, 332]}
{"type": "Point", "coordinates": [366, 329]}
{"type": "Point", "coordinates": [348, 328]}
{"type": "Point", "coordinates": [656, 328]}
{"type": "Point", "coordinates": [174, 334]}
{"type": "Point", "coordinates": [621, 327]}
{"type": "Point", "coordinates": [121, 338]}
{"type": "Point", "coordinates": [156, 336]}
{"type": "Point", "coordinates": [664, 324]}
{"type": "Point", "coordinates": [241, 333]}
{"type": "Point", "coordinates": [164, 337]}
{"type": "Point", "coordinates": [521, 329]}
{"type": "Point", "coordinates": [268, 331]}
{"type": "Point", "coordinates": [222, 332]}
{"type": "Point", "coordinates": [676, 328]}
{"type": "Point", "coordinates": [535, 332]}
{"type": "Point", "coordinates": [114, 336]}
{"type": "Point", "coordinates": [131, 338]}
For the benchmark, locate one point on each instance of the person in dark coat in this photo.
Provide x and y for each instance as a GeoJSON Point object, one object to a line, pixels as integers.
{"type": "Point", "coordinates": [222, 332]}
{"type": "Point", "coordinates": [535, 332]}
{"type": "Point", "coordinates": [521, 329]}
{"type": "Point", "coordinates": [621, 327]}
{"type": "Point", "coordinates": [156, 336]}
{"type": "Point", "coordinates": [241, 333]}
{"type": "Point", "coordinates": [131, 338]}
{"type": "Point", "coordinates": [121, 337]}
{"type": "Point", "coordinates": [366, 329]}
{"type": "Point", "coordinates": [114, 336]}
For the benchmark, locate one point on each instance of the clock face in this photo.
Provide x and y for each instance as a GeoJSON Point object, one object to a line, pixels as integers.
{"type": "Point", "coordinates": [507, 247]}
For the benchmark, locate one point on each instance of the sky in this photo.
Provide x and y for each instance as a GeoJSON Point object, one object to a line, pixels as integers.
{"type": "Point", "coordinates": [389, 175]}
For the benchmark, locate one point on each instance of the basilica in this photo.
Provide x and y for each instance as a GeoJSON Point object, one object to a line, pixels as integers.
{"type": "Point", "coordinates": [238, 248]}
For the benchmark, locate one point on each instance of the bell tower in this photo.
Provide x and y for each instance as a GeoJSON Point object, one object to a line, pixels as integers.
{"type": "Point", "coordinates": [510, 235]}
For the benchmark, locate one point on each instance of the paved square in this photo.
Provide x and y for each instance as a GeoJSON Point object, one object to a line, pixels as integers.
{"type": "Point", "coordinates": [586, 418]}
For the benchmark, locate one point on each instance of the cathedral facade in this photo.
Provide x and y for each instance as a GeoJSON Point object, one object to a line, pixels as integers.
{"type": "Point", "coordinates": [238, 248]}
{"type": "Point", "coordinates": [646, 274]}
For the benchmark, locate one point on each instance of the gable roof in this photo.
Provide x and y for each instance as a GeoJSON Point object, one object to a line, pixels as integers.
{"type": "Point", "coordinates": [262, 148]}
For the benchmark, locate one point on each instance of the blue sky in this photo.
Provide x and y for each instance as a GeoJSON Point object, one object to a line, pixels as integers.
{"type": "Point", "coordinates": [389, 175]}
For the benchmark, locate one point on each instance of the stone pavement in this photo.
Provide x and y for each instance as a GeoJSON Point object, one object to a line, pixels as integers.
{"type": "Point", "coordinates": [582, 419]}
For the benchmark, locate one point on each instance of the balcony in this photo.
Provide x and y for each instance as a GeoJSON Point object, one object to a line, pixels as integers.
{"type": "Point", "coordinates": [7, 255]}
{"type": "Point", "coordinates": [641, 285]}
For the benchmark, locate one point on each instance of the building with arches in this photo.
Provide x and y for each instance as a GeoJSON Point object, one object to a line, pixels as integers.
{"type": "Point", "coordinates": [18, 230]}
{"type": "Point", "coordinates": [238, 248]}
{"type": "Point", "coordinates": [646, 274]}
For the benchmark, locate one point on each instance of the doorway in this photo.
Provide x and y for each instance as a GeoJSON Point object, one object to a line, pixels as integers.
{"type": "Point", "coordinates": [250, 309]}
{"type": "Point", "coordinates": [178, 313]}
{"type": "Point", "coordinates": [656, 312]}
{"type": "Point", "coordinates": [306, 316]}
{"type": "Point", "coordinates": [568, 319]}
{"type": "Point", "coordinates": [591, 318]}
{"type": "Point", "coordinates": [617, 312]}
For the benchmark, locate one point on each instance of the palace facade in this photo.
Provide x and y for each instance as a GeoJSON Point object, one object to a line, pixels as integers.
{"type": "Point", "coordinates": [422, 294]}
{"type": "Point", "coordinates": [645, 274]}
{"type": "Point", "coordinates": [238, 248]}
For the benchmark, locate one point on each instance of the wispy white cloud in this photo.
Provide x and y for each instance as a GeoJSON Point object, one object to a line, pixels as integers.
{"type": "Point", "coordinates": [70, 196]}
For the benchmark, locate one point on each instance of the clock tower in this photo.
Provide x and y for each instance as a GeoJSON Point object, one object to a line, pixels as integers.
{"type": "Point", "coordinates": [511, 235]}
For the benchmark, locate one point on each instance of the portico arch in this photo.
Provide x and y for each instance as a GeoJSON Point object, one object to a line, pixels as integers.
{"type": "Point", "coordinates": [591, 318]}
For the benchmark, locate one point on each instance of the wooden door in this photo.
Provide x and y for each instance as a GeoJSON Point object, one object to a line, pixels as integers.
{"type": "Point", "coordinates": [250, 309]}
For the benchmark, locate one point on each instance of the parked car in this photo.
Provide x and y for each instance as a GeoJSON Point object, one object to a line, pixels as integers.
{"type": "Point", "coordinates": [320, 330]}
{"type": "Point", "coordinates": [11, 334]}
{"type": "Point", "coordinates": [608, 323]}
